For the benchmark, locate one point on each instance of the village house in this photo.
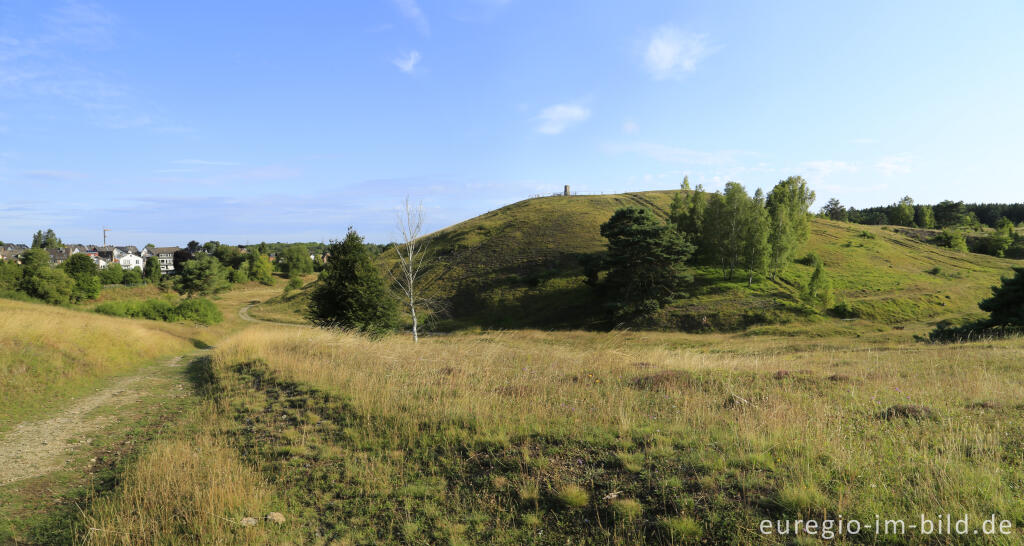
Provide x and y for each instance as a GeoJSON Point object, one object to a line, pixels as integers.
{"type": "Point", "coordinates": [131, 261]}
{"type": "Point", "coordinates": [163, 253]}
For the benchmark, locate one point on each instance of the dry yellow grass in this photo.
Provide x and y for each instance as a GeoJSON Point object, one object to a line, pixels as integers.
{"type": "Point", "coordinates": [184, 491]}
{"type": "Point", "coordinates": [801, 423]}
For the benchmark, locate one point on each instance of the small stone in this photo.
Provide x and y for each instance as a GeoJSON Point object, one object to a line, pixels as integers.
{"type": "Point", "coordinates": [276, 517]}
{"type": "Point", "coordinates": [248, 522]}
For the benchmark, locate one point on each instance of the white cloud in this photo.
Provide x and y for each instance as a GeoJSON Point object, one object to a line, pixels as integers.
{"type": "Point", "coordinates": [411, 10]}
{"type": "Point", "coordinates": [629, 126]}
{"type": "Point", "coordinates": [557, 118]}
{"type": "Point", "coordinates": [408, 63]}
{"type": "Point", "coordinates": [894, 164]}
{"type": "Point", "coordinates": [671, 53]}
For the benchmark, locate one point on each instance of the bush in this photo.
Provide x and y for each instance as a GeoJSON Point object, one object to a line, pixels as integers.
{"type": "Point", "coordinates": [953, 239]}
{"type": "Point", "coordinates": [199, 310]}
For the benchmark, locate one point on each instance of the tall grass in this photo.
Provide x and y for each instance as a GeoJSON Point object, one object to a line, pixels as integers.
{"type": "Point", "coordinates": [739, 429]}
{"type": "Point", "coordinates": [48, 353]}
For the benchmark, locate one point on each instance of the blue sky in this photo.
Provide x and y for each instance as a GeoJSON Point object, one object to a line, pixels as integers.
{"type": "Point", "coordinates": [292, 121]}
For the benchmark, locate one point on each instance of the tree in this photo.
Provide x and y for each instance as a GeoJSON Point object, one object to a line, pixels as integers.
{"type": "Point", "coordinates": [1000, 239]}
{"type": "Point", "coordinates": [950, 213]}
{"type": "Point", "coordinates": [755, 250]}
{"type": "Point", "coordinates": [151, 272]}
{"type": "Point", "coordinates": [924, 216]}
{"type": "Point", "coordinates": [82, 270]}
{"type": "Point", "coordinates": [351, 292]}
{"type": "Point", "coordinates": [260, 268]}
{"type": "Point", "coordinates": [787, 211]}
{"type": "Point", "coordinates": [113, 274]}
{"type": "Point", "coordinates": [10, 275]}
{"type": "Point", "coordinates": [46, 240]}
{"type": "Point", "coordinates": [241, 274]}
{"type": "Point", "coordinates": [414, 258]}
{"type": "Point", "coordinates": [132, 277]}
{"type": "Point", "coordinates": [203, 275]}
{"type": "Point", "coordinates": [903, 212]}
{"type": "Point", "coordinates": [680, 208]}
{"type": "Point", "coordinates": [48, 284]}
{"type": "Point", "coordinates": [294, 260]}
{"type": "Point", "coordinates": [1006, 306]}
{"type": "Point", "coordinates": [834, 210]}
{"type": "Point", "coordinates": [819, 288]}
{"type": "Point", "coordinates": [644, 260]}
{"type": "Point", "coordinates": [952, 238]}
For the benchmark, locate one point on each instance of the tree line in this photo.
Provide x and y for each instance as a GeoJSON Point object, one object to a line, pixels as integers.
{"type": "Point", "coordinates": [954, 218]}
{"type": "Point", "coordinates": [649, 261]}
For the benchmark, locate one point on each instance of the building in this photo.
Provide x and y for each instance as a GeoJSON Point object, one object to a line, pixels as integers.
{"type": "Point", "coordinates": [166, 256]}
{"type": "Point", "coordinates": [131, 261]}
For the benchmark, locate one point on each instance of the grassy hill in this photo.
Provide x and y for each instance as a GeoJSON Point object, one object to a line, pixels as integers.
{"type": "Point", "coordinates": [521, 266]}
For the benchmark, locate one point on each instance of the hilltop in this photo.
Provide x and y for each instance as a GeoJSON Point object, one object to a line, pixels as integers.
{"type": "Point", "coordinates": [522, 265]}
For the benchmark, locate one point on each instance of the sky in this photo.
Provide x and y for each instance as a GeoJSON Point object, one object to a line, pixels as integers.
{"type": "Point", "coordinates": [291, 121]}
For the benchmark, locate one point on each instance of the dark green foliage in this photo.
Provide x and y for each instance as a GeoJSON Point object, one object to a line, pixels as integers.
{"type": "Point", "coordinates": [645, 261]}
{"type": "Point", "coordinates": [113, 274]}
{"type": "Point", "coordinates": [46, 240]}
{"type": "Point", "coordinates": [151, 272]}
{"type": "Point", "coordinates": [203, 275]}
{"type": "Point", "coordinates": [833, 210]}
{"type": "Point", "coordinates": [229, 255]}
{"type": "Point", "coordinates": [351, 292]}
{"type": "Point", "coordinates": [48, 284]}
{"type": "Point", "coordinates": [1006, 306]}
{"type": "Point", "coordinates": [132, 277]}
{"type": "Point", "coordinates": [82, 269]}
{"type": "Point", "coordinates": [198, 310]}
{"type": "Point", "coordinates": [10, 276]}
{"type": "Point", "coordinates": [1000, 240]}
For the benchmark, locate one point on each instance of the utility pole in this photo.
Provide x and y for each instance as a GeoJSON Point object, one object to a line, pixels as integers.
{"type": "Point", "coordinates": [105, 230]}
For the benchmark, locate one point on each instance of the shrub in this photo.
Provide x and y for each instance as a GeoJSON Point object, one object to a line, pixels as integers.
{"type": "Point", "coordinates": [627, 509]}
{"type": "Point", "coordinates": [199, 310]}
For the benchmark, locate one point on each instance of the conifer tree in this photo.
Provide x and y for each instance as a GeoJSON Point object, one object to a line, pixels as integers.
{"type": "Point", "coordinates": [351, 291]}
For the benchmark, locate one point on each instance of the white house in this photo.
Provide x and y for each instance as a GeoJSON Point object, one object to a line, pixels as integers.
{"type": "Point", "coordinates": [130, 261]}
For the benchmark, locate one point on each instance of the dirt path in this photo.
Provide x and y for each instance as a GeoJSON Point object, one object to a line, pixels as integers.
{"type": "Point", "coordinates": [243, 313]}
{"type": "Point", "coordinates": [36, 448]}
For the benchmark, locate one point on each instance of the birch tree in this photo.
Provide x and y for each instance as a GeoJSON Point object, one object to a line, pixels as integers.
{"type": "Point", "coordinates": [413, 260]}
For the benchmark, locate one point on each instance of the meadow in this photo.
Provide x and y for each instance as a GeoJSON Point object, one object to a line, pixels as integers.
{"type": "Point", "coordinates": [548, 437]}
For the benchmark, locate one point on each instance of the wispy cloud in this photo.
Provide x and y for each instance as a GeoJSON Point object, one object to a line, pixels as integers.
{"type": "Point", "coordinates": [671, 52]}
{"type": "Point", "coordinates": [559, 117]}
{"type": "Point", "coordinates": [629, 127]}
{"type": "Point", "coordinates": [411, 10]}
{"type": "Point", "coordinates": [894, 164]}
{"type": "Point", "coordinates": [407, 63]}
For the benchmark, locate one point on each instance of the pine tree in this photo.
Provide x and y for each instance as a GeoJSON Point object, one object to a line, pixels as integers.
{"type": "Point", "coordinates": [645, 261]}
{"type": "Point", "coordinates": [1006, 306]}
{"type": "Point", "coordinates": [351, 292]}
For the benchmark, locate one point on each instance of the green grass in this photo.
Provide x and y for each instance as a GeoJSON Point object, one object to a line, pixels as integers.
{"type": "Point", "coordinates": [622, 438]}
{"type": "Point", "coordinates": [519, 266]}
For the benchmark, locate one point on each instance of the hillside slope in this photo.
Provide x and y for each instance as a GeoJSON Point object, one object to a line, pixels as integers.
{"type": "Point", "coordinates": [522, 265]}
